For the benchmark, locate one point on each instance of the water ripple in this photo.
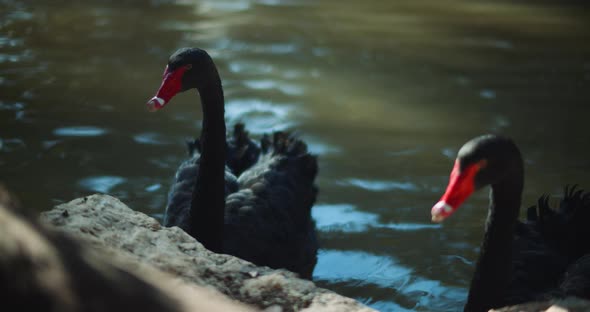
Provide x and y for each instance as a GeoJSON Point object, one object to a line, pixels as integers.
{"type": "Point", "coordinates": [101, 184]}
{"type": "Point", "coordinates": [336, 265]}
{"type": "Point", "coordinates": [319, 148]}
{"type": "Point", "coordinates": [153, 187]}
{"type": "Point", "coordinates": [347, 218]}
{"type": "Point", "coordinates": [267, 84]}
{"type": "Point", "coordinates": [258, 48]}
{"type": "Point", "coordinates": [12, 144]}
{"type": "Point", "coordinates": [364, 268]}
{"type": "Point", "coordinates": [250, 67]}
{"type": "Point", "coordinates": [259, 116]}
{"type": "Point", "coordinates": [406, 152]}
{"type": "Point", "coordinates": [379, 186]}
{"type": "Point", "coordinates": [344, 217]}
{"type": "Point", "coordinates": [451, 153]}
{"type": "Point", "coordinates": [487, 94]}
{"type": "Point", "coordinates": [224, 6]}
{"type": "Point", "coordinates": [16, 106]}
{"type": "Point", "coordinates": [80, 131]}
{"type": "Point", "coordinates": [153, 138]}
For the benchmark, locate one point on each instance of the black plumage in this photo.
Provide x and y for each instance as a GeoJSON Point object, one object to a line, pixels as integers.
{"type": "Point", "coordinates": [237, 197]}
{"type": "Point", "coordinates": [545, 256]}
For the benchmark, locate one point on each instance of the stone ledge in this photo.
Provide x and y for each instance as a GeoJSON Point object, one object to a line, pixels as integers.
{"type": "Point", "coordinates": [102, 220]}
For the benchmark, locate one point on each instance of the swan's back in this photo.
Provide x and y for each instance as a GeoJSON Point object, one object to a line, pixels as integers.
{"type": "Point", "coordinates": [565, 228]}
{"type": "Point", "coordinates": [551, 252]}
{"type": "Point", "coordinates": [268, 221]}
{"type": "Point", "coordinates": [268, 207]}
{"type": "Point", "coordinates": [242, 152]}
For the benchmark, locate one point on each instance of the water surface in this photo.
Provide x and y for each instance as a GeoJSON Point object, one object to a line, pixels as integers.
{"type": "Point", "coordinates": [385, 92]}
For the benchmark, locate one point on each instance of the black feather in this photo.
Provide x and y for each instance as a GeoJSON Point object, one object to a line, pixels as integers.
{"type": "Point", "coordinates": [268, 206]}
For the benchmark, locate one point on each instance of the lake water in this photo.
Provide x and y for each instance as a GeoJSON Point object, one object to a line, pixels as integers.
{"type": "Point", "coordinates": [385, 92]}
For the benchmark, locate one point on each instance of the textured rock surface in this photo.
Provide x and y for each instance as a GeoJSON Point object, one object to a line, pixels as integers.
{"type": "Point", "coordinates": [105, 221]}
{"type": "Point", "coordinates": [45, 270]}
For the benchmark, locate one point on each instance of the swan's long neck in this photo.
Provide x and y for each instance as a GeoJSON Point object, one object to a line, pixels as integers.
{"type": "Point", "coordinates": [494, 267]}
{"type": "Point", "coordinates": [208, 201]}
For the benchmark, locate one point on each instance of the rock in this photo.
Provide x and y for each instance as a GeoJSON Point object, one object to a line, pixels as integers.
{"type": "Point", "coordinates": [45, 270]}
{"type": "Point", "coordinates": [111, 265]}
{"type": "Point", "coordinates": [104, 221]}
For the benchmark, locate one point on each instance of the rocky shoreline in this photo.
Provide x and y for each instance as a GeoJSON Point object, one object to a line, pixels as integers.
{"type": "Point", "coordinates": [104, 222]}
{"type": "Point", "coordinates": [96, 254]}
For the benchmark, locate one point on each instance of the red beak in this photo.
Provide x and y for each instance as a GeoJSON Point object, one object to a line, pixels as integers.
{"type": "Point", "coordinates": [461, 185]}
{"type": "Point", "coordinates": [171, 85]}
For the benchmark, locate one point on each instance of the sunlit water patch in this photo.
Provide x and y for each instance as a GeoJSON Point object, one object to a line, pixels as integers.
{"type": "Point", "coordinates": [267, 84]}
{"type": "Point", "coordinates": [224, 6]}
{"type": "Point", "coordinates": [259, 116]}
{"type": "Point", "coordinates": [260, 48]}
{"type": "Point", "coordinates": [378, 186]}
{"type": "Point", "coordinates": [153, 138]}
{"type": "Point", "coordinates": [242, 66]}
{"type": "Point", "coordinates": [317, 147]}
{"type": "Point", "coordinates": [347, 218]}
{"type": "Point", "coordinates": [343, 217]}
{"type": "Point", "coordinates": [433, 83]}
{"type": "Point", "coordinates": [487, 94]}
{"type": "Point", "coordinates": [80, 131]}
{"type": "Point", "coordinates": [361, 268]}
{"type": "Point", "coordinates": [154, 187]}
{"type": "Point", "coordinates": [101, 184]}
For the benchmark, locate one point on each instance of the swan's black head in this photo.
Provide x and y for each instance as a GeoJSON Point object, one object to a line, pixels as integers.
{"type": "Point", "coordinates": [187, 68]}
{"type": "Point", "coordinates": [482, 161]}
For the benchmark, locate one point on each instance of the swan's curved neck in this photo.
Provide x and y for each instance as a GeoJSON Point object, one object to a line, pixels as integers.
{"type": "Point", "coordinates": [494, 267]}
{"type": "Point", "coordinates": [208, 201]}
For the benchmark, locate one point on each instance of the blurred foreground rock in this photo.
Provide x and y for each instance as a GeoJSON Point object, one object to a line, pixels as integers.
{"type": "Point", "coordinates": [45, 270]}
{"type": "Point", "coordinates": [108, 225]}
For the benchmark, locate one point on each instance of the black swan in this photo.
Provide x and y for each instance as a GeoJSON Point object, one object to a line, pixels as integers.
{"type": "Point", "coordinates": [547, 256]}
{"type": "Point", "coordinates": [235, 197]}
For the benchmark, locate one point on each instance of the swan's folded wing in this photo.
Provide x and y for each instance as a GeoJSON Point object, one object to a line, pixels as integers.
{"type": "Point", "coordinates": [242, 152]}
{"type": "Point", "coordinates": [268, 221]}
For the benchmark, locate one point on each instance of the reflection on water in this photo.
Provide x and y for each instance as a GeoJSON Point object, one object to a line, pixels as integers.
{"type": "Point", "coordinates": [342, 217]}
{"type": "Point", "coordinates": [372, 271]}
{"type": "Point", "coordinates": [152, 138]}
{"type": "Point", "coordinates": [362, 268]}
{"type": "Point", "coordinates": [103, 184]}
{"type": "Point", "coordinates": [81, 131]}
{"type": "Point", "coordinates": [153, 187]}
{"type": "Point", "coordinates": [347, 218]}
{"type": "Point", "coordinates": [385, 92]}
{"type": "Point", "coordinates": [379, 186]}
{"type": "Point", "coordinates": [261, 116]}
